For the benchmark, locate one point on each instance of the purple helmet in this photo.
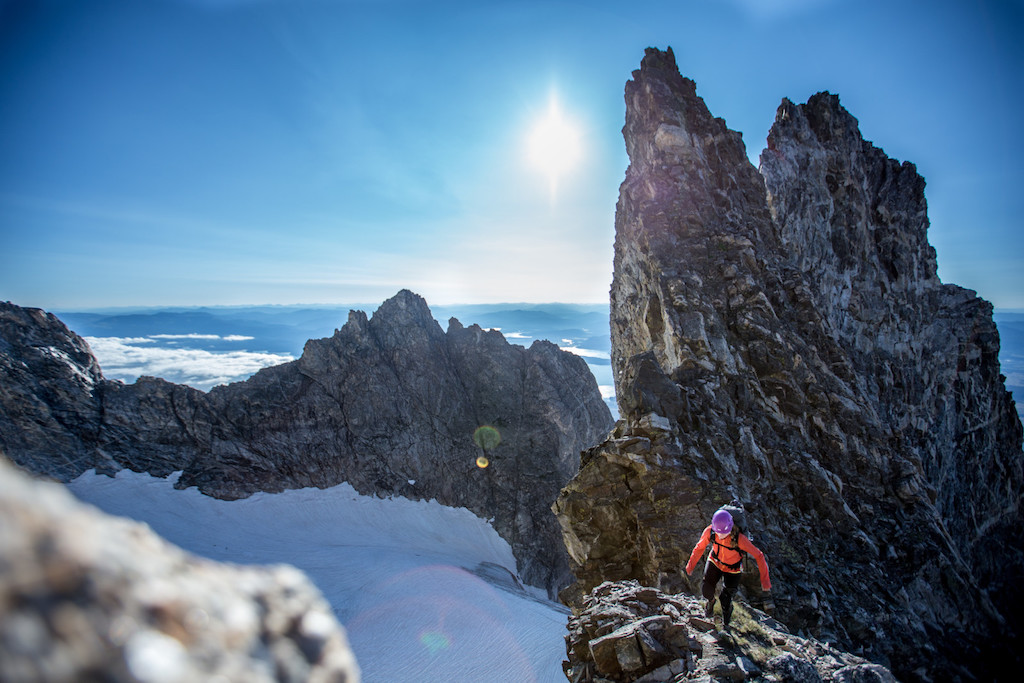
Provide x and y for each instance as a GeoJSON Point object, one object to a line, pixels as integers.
{"type": "Point", "coordinates": [721, 523]}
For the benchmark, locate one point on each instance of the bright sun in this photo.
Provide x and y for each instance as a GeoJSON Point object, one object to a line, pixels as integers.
{"type": "Point", "coordinates": [554, 143]}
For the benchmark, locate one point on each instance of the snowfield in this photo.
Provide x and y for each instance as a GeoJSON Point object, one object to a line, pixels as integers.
{"type": "Point", "coordinates": [426, 592]}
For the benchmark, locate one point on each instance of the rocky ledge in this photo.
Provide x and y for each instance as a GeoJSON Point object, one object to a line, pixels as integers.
{"type": "Point", "coordinates": [392, 404]}
{"type": "Point", "coordinates": [628, 633]}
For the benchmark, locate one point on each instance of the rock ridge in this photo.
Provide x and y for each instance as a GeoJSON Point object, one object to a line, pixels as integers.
{"type": "Point", "coordinates": [780, 336]}
{"type": "Point", "coordinates": [626, 632]}
{"type": "Point", "coordinates": [390, 404]}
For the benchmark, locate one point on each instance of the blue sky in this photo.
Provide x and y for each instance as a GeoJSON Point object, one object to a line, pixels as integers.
{"type": "Point", "coordinates": [193, 152]}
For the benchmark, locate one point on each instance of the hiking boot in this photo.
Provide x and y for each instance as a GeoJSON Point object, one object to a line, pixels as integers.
{"type": "Point", "coordinates": [709, 609]}
{"type": "Point", "coordinates": [727, 615]}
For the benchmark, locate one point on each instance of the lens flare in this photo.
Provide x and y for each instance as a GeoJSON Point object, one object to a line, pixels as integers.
{"type": "Point", "coordinates": [482, 462]}
{"type": "Point", "coordinates": [434, 641]}
{"type": "Point", "coordinates": [487, 437]}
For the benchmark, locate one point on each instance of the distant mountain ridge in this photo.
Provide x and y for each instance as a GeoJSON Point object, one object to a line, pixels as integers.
{"type": "Point", "coordinates": [389, 404]}
{"type": "Point", "coordinates": [206, 346]}
{"type": "Point", "coordinates": [285, 329]}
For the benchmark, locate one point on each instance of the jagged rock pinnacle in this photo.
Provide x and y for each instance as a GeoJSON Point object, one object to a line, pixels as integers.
{"type": "Point", "coordinates": [389, 404]}
{"type": "Point", "coordinates": [781, 337]}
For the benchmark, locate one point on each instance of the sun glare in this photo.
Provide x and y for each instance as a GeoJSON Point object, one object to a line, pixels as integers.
{"type": "Point", "coordinates": [553, 146]}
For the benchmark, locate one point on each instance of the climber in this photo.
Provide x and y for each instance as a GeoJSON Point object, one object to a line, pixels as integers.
{"type": "Point", "coordinates": [725, 560]}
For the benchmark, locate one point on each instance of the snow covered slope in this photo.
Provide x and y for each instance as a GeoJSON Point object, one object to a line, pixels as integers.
{"type": "Point", "coordinates": [427, 592]}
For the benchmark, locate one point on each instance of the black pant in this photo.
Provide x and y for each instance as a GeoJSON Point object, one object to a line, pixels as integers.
{"type": "Point", "coordinates": [712, 574]}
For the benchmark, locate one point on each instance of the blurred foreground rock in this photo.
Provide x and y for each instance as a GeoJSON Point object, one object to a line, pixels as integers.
{"type": "Point", "coordinates": [85, 596]}
{"type": "Point", "coordinates": [625, 632]}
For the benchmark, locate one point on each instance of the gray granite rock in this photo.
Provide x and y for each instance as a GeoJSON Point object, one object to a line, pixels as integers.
{"type": "Point", "coordinates": [781, 337]}
{"type": "Point", "coordinates": [391, 404]}
{"type": "Point", "coordinates": [624, 632]}
{"type": "Point", "coordinates": [89, 597]}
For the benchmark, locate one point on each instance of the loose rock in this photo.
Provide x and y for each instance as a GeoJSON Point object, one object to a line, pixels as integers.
{"type": "Point", "coordinates": [625, 632]}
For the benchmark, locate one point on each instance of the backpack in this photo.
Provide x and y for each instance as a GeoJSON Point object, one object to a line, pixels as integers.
{"type": "Point", "coordinates": [739, 526]}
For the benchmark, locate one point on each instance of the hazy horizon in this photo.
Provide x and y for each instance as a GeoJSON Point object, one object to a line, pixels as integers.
{"type": "Point", "coordinates": [203, 347]}
{"type": "Point", "coordinates": [229, 344]}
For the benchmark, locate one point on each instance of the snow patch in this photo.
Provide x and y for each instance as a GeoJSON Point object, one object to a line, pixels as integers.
{"type": "Point", "coordinates": [63, 357]}
{"type": "Point", "coordinates": [426, 592]}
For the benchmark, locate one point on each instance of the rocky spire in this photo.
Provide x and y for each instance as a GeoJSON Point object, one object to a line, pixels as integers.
{"type": "Point", "coordinates": [782, 338]}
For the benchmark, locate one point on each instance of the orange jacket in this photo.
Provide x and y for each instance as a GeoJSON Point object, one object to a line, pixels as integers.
{"type": "Point", "coordinates": [724, 554]}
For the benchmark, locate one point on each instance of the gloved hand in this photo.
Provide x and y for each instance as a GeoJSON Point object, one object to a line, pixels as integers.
{"type": "Point", "coordinates": [769, 604]}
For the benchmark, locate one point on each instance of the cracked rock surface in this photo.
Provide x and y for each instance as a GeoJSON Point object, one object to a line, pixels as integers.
{"type": "Point", "coordinates": [391, 404]}
{"type": "Point", "coordinates": [625, 632]}
{"type": "Point", "coordinates": [780, 336]}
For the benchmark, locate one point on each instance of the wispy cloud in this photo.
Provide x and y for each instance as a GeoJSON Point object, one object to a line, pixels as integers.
{"type": "Point", "coordinates": [586, 353]}
{"type": "Point", "coordinates": [210, 337]}
{"type": "Point", "coordinates": [1014, 378]}
{"type": "Point", "coordinates": [185, 336]}
{"type": "Point", "coordinates": [128, 358]}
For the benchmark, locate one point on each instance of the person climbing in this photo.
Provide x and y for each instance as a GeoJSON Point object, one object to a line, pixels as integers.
{"type": "Point", "coordinates": [725, 560]}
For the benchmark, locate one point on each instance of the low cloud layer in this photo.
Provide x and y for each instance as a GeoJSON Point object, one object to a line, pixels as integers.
{"type": "Point", "coordinates": [205, 337]}
{"type": "Point", "coordinates": [128, 358]}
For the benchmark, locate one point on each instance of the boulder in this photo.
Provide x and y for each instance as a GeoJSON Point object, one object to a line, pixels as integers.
{"type": "Point", "coordinates": [625, 632]}
{"type": "Point", "coordinates": [87, 596]}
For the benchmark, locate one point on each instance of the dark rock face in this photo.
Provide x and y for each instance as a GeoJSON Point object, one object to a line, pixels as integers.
{"type": "Point", "coordinates": [627, 632]}
{"type": "Point", "coordinates": [48, 396]}
{"type": "Point", "coordinates": [89, 597]}
{"type": "Point", "coordinates": [782, 338]}
{"type": "Point", "coordinates": [389, 404]}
